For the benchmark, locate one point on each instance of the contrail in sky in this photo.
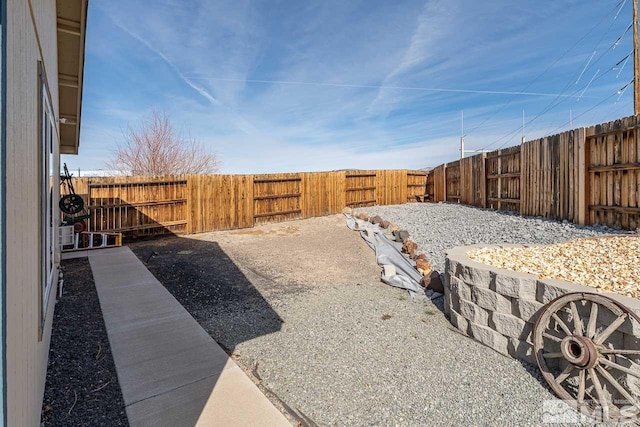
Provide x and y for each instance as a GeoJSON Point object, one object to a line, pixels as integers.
{"type": "Point", "coordinates": [356, 86]}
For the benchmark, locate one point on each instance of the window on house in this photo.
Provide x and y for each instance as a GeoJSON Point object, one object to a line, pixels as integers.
{"type": "Point", "coordinates": [47, 182]}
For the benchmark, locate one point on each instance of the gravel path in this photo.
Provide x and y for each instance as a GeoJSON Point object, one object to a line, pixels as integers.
{"type": "Point", "coordinates": [300, 305]}
{"type": "Point", "coordinates": [436, 227]}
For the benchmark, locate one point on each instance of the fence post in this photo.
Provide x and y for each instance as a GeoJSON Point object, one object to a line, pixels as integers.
{"type": "Point", "coordinates": [444, 177]}
{"type": "Point", "coordinates": [483, 181]}
{"type": "Point", "coordinates": [499, 178]}
{"type": "Point", "coordinates": [584, 187]}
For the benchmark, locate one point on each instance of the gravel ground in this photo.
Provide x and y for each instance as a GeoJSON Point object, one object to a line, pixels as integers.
{"type": "Point", "coordinates": [82, 387]}
{"type": "Point", "coordinates": [301, 307]}
{"type": "Point", "coordinates": [436, 227]}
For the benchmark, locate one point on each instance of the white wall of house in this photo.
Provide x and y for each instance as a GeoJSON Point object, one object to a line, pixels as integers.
{"type": "Point", "coordinates": [31, 45]}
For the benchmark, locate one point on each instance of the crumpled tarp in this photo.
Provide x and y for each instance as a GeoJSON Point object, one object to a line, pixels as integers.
{"type": "Point", "coordinates": [398, 270]}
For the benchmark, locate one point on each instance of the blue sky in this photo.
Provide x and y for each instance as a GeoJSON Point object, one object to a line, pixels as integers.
{"type": "Point", "coordinates": [279, 86]}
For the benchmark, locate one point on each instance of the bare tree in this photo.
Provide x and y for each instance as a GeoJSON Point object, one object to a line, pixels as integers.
{"type": "Point", "coordinates": [156, 148]}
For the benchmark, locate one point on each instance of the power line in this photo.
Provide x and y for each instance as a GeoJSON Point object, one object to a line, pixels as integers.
{"type": "Point", "coordinates": [619, 7]}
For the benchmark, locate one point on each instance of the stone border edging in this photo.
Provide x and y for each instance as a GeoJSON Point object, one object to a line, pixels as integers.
{"type": "Point", "coordinates": [499, 307]}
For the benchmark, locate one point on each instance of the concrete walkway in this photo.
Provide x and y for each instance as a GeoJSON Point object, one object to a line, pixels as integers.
{"type": "Point", "coordinates": [172, 373]}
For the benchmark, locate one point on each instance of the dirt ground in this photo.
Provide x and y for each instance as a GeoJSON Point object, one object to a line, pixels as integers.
{"type": "Point", "coordinates": [301, 307]}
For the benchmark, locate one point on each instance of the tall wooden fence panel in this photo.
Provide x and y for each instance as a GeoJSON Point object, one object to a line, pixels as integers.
{"type": "Point", "coordinates": [439, 183]}
{"type": "Point", "coordinates": [472, 182]}
{"type": "Point", "coordinates": [146, 205]}
{"type": "Point", "coordinates": [277, 197]}
{"type": "Point", "coordinates": [416, 185]}
{"type": "Point", "coordinates": [613, 158]}
{"type": "Point", "coordinates": [502, 169]}
{"type": "Point", "coordinates": [391, 187]}
{"type": "Point", "coordinates": [551, 184]}
{"type": "Point", "coordinates": [429, 191]}
{"type": "Point", "coordinates": [219, 202]}
{"type": "Point", "coordinates": [452, 177]}
{"type": "Point", "coordinates": [360, 188]}
{"type": "Point", "coordinates": [323, 193]}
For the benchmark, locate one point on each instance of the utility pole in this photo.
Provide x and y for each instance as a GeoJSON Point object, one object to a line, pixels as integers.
{"type": "Point", "coordinates": [636, 62]}
{"type": "Point", "coordinates": [523, 140]}
{"type": "Point", "coordinates": [462, 134]}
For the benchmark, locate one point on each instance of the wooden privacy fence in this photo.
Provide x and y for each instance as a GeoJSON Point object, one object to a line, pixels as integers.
{"type": "Point", "coordinates": [587, 176]}
{"type": "Point", "coordinates": [201, 203]}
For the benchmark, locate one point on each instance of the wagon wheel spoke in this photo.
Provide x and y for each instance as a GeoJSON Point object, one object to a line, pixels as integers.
{"type": "Point", "coordinates": [599, 339]}
{"type": "Point", "coordinates": [593, 317]}
{"type": "Point", "coordinates": [582, 380]}
{"type": "Point", "coordinates": [553, 355]}
{"type": "Point", "coordinates": [577, 323]}
{"type": "Point", "coordinates": [619, 351]}
{"type": "Point", "coordinates": [617, 386]}
{"type": "Point", "coordinates": [565, 374]}
{"type": "Point", "coordinates": [602, 399]}
{"type": "Point", "coordinates": [551, 337]}
{"type": "Point", "coordinates": [560, 323]}
{"type": "Point", "coordinates": [614, 365]}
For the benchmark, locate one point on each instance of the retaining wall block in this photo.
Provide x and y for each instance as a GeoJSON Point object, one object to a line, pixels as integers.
{"type": "Point", "coordinates": [448, 303]}
{"type": "Point", "coordinates": [476, 276]}
{"type": "Point", "coordinates": [459, 321]}
{"type": "Point", "coordinates": [450, 267]}
{"type": "Point", "coordinates": [511, 326]}
{"type": "Point", "coordinates": [514, 285]}
{"type": "Point", "coordinates": [550, 289]}
{"type": "Point", "coordinates": [522, 350]}
{"type": "Point", "coordinates": [460, 288]}
{"type": "Point", "coordinates": [490, 338]}
{"type": "Point", "coordinates": [490, 300]}
{"type": "Point", "coordinates": [528, 310]}
{"type": "Point", "coordinates": [474, 313]}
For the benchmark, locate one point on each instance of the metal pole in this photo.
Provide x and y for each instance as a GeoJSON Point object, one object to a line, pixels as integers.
{"type": "Point", "coordinates": [462, 135]}
{"type": "Point", "coordinates": [636, 61]}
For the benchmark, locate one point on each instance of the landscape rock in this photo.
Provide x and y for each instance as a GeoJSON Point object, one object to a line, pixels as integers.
{"type": "Point", "coordinates": [393, 226]}
{"type": "Point", "coordinates": [347, 210]}
{"type": "Point", "coordinates": [423, 264]}
{"type": "Point", "coordinates": [421, 256]}
{"type": "Point", "coordinates": [363, 216]}
{"type": "Point", "coordinates": [375, 219]}
{"type": "Point", "coordinates": [401, 235]}
{"type": "Point", "coordinates": [409, 247]}
{"type": "Point", "coordinates": [432, 281]}
{"type": "Point", "coordinates": [384, 224]}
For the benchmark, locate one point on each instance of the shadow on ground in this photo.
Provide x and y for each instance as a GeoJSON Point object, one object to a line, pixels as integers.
{"type": "Point", "coordinates": [204, 279]}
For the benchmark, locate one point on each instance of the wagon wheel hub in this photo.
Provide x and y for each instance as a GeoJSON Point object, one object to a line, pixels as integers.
{"type": "Point", "coordinates": [579, 351]}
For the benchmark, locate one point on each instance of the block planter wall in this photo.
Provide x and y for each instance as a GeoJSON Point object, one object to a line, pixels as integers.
{"type": "Point", "coordinates": [500, 307]}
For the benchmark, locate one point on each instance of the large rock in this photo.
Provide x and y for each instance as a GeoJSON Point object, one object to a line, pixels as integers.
{"type": "Point", "coordinates": [409, 247]}
{"type": "Point", "coordinates": [432, 281]}
{"type": "Point", "coordinates": [421, 256]}
{"type": "Point", "coordinates": [423, 264]}
{"type": "Point", "coordinates": [393, 227]}
{"type": "Point", "coordinates": [401, 235]}
{"type": "Point", "coordinates": [347, 210]}
{"type": "Point", "coordinates": [375, 220]}
{"type": "Point", "coordinates": [385, 224]}
{"type": "Point", "coordinates": [363, 216]}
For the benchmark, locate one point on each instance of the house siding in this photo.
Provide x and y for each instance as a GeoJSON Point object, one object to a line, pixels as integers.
{"type": "Point", "coordinates": [31, 37]}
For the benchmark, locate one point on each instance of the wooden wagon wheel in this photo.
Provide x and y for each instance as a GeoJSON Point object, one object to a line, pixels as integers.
{"type": "Point", "coordinates": [581, 353]}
